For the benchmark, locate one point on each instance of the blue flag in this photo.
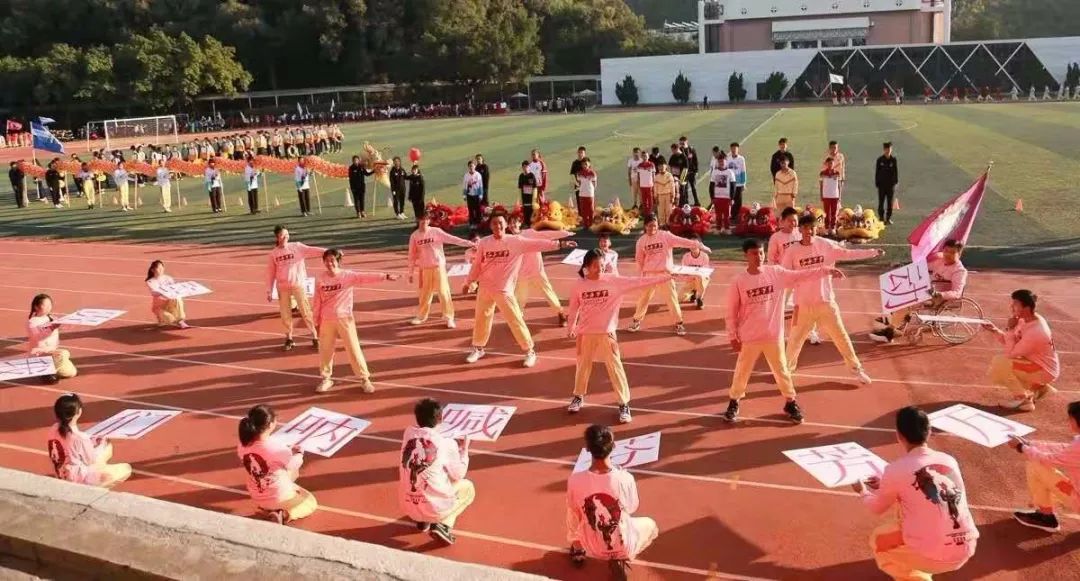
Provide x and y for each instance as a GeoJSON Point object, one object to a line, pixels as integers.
{"type": "Point", "coordinates": [44, 139]}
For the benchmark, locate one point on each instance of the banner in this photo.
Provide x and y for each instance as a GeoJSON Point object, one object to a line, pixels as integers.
{"type": "Point", "coordinates": [44, 139]}
{"type": "Point", "coordinates": [836, 79]}
{"type": "Point", "coordinates": [953, 220]}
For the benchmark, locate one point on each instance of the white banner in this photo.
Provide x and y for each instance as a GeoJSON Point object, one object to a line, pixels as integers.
{"type": "Point", "coordinates": [838, 464]}
{"type": "Point", "coordinates": [905, 287]}
{"type": "Point", "coordinates": [483, 423]}
{"type": "Point", "coordinates": [976, 425]}
{"type": "Point", "coordinates": [179, 290]}
{"type": "Point", "coordinates": [320, 431]}
{"type": "Point", "coordinates": [627, 453]}
{"type": "Point", "coordinates": [459, 270]}
{"type": "Point", "coordinates": [23, 368]}
{"type": "Point", "coordinates": [131, 424]}
{"type": "Point", "coordinates": [686, 271]}
{"type": "Point", "coordinates": [89, 317]}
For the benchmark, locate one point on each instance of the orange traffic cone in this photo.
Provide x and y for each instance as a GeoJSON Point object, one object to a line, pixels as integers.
{"type": "Point", "coordinates": [1019, 205]}
{"type": "Point", "coordinates": [896, 204]}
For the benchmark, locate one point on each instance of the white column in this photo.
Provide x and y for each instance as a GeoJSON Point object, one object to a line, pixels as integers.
{"type": "Point", "coordinates": [947, 36]}
{"type": "Point", "coordinates": [701, 26]}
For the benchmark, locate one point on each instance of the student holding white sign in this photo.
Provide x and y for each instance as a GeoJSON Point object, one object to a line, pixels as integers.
{"type": "Point", "coordinates": [77, 457]}
{"type": "Point", "coordinates": [532, 275]}
{"type": "Point", "coordinates": [930, 529]}
{"type": "Point", "coordinates": [600, 503]}
{"type": "Point", "coordinates": [426, 253]}
{"type": "Point", "coordinates": [287, 270]}
{"type": "Point", "coordinates": [1030, 363]}
{"type": "Point", "coordinates": [653, 258]}
{"type": "Point", "coordinates": [693, 290]}
{"type": "Point", "coordinates": [609, 263]}
{"type": "Point", "coordinates": [43, 338]}
{"type": "Point", "coordinates": [272, 468]}
{"type": "Point", "coordinates": [1053, 476]}
{"type": "Point", "coordinates": [949, 278]}
{"type": "Point", "coordinates": [167, 311]}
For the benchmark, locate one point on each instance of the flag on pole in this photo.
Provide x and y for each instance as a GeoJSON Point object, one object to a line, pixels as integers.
{"type": "Point", "coordinates": [46, 120]}
{"type": "Point", "coordinates": [44, 139]}
{"type": "Point", "coordinates": [331, 105]}
{"type": "Point", "coordinates": [308, 111]}
{"type": "Point", "coordinates": [243, 118]}
{"type": "Point", "coordinates": [299, 109]}
{"type": "Point", "coordinates": [952, 220]}
{"type": "Point", "coordinates": [836, 79]}
{"type": "Point", "coordinates": [13, 126]}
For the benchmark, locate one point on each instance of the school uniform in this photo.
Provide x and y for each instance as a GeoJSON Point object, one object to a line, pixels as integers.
{"type": "Point", "coordinates": [695, 285]}
{"type": "Point", "coordinates": [270, 471]}
{"type": "Point", "coordinates": [302, 177]}
{"type": "Point", "coordinates": [82, 459]}
{"type": "Point", "coordinates": [164, 183]}
{"type": "Point", "coordinates": [721, 181]}
{"type": "Point", "coordinates": [737, 164]}
{"type": "Point", "coordinates": [426, 253]}
{"type": "Point", "coordinates": [599, 515]}
{"type": "Point", "coordinates": [586, 195]}
{"type": "Point", "coordinates": [44, 340]}
{"type": "Point", "coordinates": [251, 180]}
{"type": "Point", "coordinates": [213, 187]}
{"type": "Point", "coordinates": [473, 188]}
{"type": "Point", "coordinates": [432, 487]}
{"type": "Point", "coordinates": [785, 189]}
{"type": "Point", "coordinates": [653, 256]}
{"type": "Point", "coordinates": [167, 311]}
{"type": "Point", "coordinates": [287, 271]}
{"type": "Point", "coordinates": [1030, 360]}
{"type": "Point", "coordinates": [532, 276]}
{"type": "Point", "coordinates": [333, 310]}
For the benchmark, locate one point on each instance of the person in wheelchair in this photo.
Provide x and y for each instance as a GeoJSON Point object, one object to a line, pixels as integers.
{"type": "Point", "coordinates": [948, 277]}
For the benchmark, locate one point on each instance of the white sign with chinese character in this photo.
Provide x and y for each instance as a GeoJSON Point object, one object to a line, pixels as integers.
{"type": "Point", "coordinates": [309, 288]}
{"type": "Point", "coordinates": [838, 464]}
{"type": "Point", "coordinates": [977, 425]}
{"type": "Point", "coordinates": [89, 317]}
{"type": "Point", "coordinates": [179, 290]}
{"type": "Point", "coordinates": [576, 257]}
{"type": "Point", "coordinates": [459, 270]}
{"type": "Point", "coordinates": [483, 423]}
{"type": "Point", "coordinates": [905, 287]}
{"type": "Point", "coordinates": [26, 367]}
{"type": "Point", "coordinates": [320, 431]}
{"type": "Point", "coordinates": [627, 453]}
{"type": "Point", "coordinates": [131, 424]}
{"type": "Point", "coordinates": [687, 271]}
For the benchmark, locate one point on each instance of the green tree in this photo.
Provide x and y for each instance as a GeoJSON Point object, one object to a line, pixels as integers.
{"type": "Point", "coordinates": [680, 89]}
{"type": "Point", "coordinates": [774, 86]}
{"type": "Point", "coordinates": [627, 91]}
{"type": "Point", "coordinates": [477, 41]}
{"type": "Point", "coordinates": [735, 89]}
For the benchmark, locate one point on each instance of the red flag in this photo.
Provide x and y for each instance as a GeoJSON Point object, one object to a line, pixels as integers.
{"type": "Point", "coordinates": [13, 126]}
{"type": "Point", "coordinates": [952, 220]}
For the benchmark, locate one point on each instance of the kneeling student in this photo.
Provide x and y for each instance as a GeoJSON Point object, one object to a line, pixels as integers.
{"type": "Point", "coordinates": [272, 468]}
{"type": "Point", "coordinates": [1053, 473]}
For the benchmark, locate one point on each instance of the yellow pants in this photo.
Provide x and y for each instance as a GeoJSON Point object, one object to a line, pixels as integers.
{"type": "Point", "coordinates": [825, 316]}
{"type": "Point", "coordinates": [433, 282]}
{"type": "Point", "coordinates": [696, 285]}
{"type": "Point", "coordinates": [88, 192]}
{"type": "Point", "coordinates": [744, 366]}
{"type": "Point", "coordinates": [782, 201]}
{"type": "Point", "coordinates": [464, 495]}
{"type": "Point", "coordinates": [65, 369]}
{"type": "Point", "coordinates": [899, 561]}
{"type": "Point", "coordinates": [171, 312]}
{"type": "Point", "coordinates": [663, 208]}
{"type": "Point", "coordinates": [667, 290]}
{"type": "Point", "coordinates": [1049, 487]}
{"type": "Point", "coordinates": [540, 283]}
{"type": "Point", "coordinates": [1019, 376]}
{"type": "Point", "coordinates": [166, 197]}
{"type": "Point", "coordinates": [110, 474]}
{"type": "Point", "coordinates": [123, 187]}
{"type": "Point", "coordinates": [486, 301]}
{"type": "Point", "coordinates": [301, 505]}
{"type": "Point", "coordinates": [594, 346]}
{"type": "Point", "coordinates": [289, 296]}
{"type": "Point", "coordinates": [635, 193]}
{"type": "Point", "coordinates": [328, 334]}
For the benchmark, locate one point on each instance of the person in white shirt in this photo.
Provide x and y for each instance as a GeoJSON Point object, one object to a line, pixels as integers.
{"type": "Point", "coordinates": [721, 180]}
{"type": "Point", "coordinates": [120, 178]}
{"type": "Point", "coordinates": [600, 503]}
{"type": "Point", "coordinates": [251, 181]}
{"type": "Point", "coordinates": [829, 186]}
{"type": "Point", "coordinates": [302, 177]}
{"type": "Point", "coordinates": [609, 264]}
{"type": "Point", "coordinates": [473, 189]}
{"type": "Point", "coordinates": [737, 164]}
{"type": "Point", "coordinates": [432, 489]}
{"type": "Point", "coordinates": [930, 529]}
{"type": "Point", "coordinates": [632, 177]}
{"type": "Point", "coordinates": [213, 186]}
{"type": "Point", "coordinates": [164, 182]}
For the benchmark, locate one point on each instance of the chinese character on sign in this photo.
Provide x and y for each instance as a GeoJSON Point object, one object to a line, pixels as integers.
{"type": "Point", "coordinates": [627, 453]}
{"type": "Point", "coordinates": [89, 317]}
{"type": "Point", "coordinates": [131, 424]}
{"type": "Point", "coordinates": [838, 464]}
{"type": "Point", "coordinates": [320, 431]}
{"type": "Point", "coordinates": [477, 422]}
{"type": "Point", "coordinates": [977, 425]}
{"type": "Point", "coordinates": [906, 286]}
{"type": "Point", "coordinates": [28, 367]}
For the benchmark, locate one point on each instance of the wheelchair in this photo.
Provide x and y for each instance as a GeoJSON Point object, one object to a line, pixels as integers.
{"type": "Point", "coordinates": [953, 333]}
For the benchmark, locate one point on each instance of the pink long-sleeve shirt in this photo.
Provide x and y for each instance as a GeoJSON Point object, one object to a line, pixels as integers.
{"type": "Point", "coordinates": [532, 263]}
{"type": "Point", "coordinates": [267, 465]}
{"type": "Point", "coordinates": [947, 279]}
{"type": "Point", "coordinates": [287, 268]}
{"type": "Point", "coordinates": [779, 242]}
{"type": "Point", "coordinates": [653, 253]}
{"type": "Point", "coordinates": [426, 248]}
{"type": "Point", "coordinates": [755, 302]}
{"type": "Point", "coordinates": [933, 501]}
{"type": "Point", "coordinates": [1033, 341]}
{"type": "Point", "coordinates": [820, 253]}
{"type": "Point", "coordinates": [75, 456]}
{"type": "Point", "coordinates": [334, 294]}
{"type": "Point", "coordinates": [498, 262]}
{"type": "Point", "coordinates": [430, 465]}
{"type": "Point", "coordinates": [158, 300]}
{"type": "Point", "coordinates": [598, 512]}
{"type": "Point", "coordinates": [594, 304]}
{"type": "Point", "coordinates": [1064, 457]}
{"type": "Point", "coordinates": [41, 337]}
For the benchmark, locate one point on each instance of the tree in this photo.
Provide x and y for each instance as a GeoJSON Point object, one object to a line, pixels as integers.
{"type": "Point", "coordinates": [680, 89]}
{"type": "Point", "coordinates": [627, 91]}
{"type": "Point", "coordinates": [1072, 76]}
{"type": "Point", "coordinates": [481, 41]}
{"type": "Point", "coordinates": [774, 86]}
{"type": "Point", "coordinates": [735, 89]}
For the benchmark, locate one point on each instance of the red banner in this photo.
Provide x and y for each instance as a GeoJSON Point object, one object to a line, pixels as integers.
{"type": "Point", "coordinates": [951, 221]}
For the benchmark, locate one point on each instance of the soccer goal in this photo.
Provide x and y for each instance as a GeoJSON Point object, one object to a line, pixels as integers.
{"type": "Point", "coordinates": [119, 133]}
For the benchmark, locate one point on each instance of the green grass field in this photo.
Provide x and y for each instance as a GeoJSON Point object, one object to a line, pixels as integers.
{"type": "Point", "coordinates": [941, 148]}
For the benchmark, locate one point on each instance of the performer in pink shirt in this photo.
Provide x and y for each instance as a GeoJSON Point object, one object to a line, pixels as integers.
{"type": "Point", "coordinates": [815, 300]}
{"type": "Point", "coordinates": [786, 236]}
{"type": "Point", "coordinates": [594, 316]}
{"type": "Point", "coordinates": [1030, 362]}
{"type": "Point", "coordinates": [694, 286]}
{"type": "Point", "coordinates": [287, 270]}
{"type": "Point", "coordinates": [426, 252]}
{"type": "Point", "coordinates": [1053, 475]}
{"type": "Point", "coordinates": [432, 488]}
{"type": "Point", "coordinates": [532, 275]}
{"type": "Point", "coordinates": [653, 257]}
{"type": "Point", "coordinates": [609, 264]}
{"type": "Point", "coordinates": [755, 324]}
{"type": "Point", "coordinates": [43, 338]}
{"type": "Point", "coordinates": [77, 457]}
{"type": "Point", "coordinates": [271, 468]}
{"type": "Point", "coordinates": [929, 529]}
{"type": "Point", "coordinates": [334, 318]}
{"type": "Point", "coordinates": [495, 267]}
{"type": "Point", "coordinates": [949, 278]}
{"type": "Point", "coordinates": [167, 311]}
{"type": "Point", "coordinates": [600, 506]}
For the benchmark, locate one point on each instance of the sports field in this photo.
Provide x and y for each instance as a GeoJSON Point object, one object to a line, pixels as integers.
{"type": "Point", "coordinates": [941, 148]}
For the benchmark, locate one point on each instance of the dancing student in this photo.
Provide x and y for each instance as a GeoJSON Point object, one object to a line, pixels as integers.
{"type": "Point", "coordinates": [1030, 363]}
{"type": "Point", "coordinates": [605, 488]}
{"type": "Point", "coordinates": [213, 187]}
{"type": "Point", "coordinates": [495, 267]}
{"type": "Point", "coordinates": [948, 275]}
{"type": "Point", "coordinates": [397, 188]}
{"type": "Point", "coordinates": [533, 276]}
{"type": "Point", "coordinates": [167, 311]}
{"type": "Point", "coordinates": [695, 286]}
{"type": "Point", "coordinates": [815, 299]}
{"type": "Point", "coordinates": [1053, 476]}
{"type": "Point", "coordinates": [272, 468]}
{"type": "Point", "coordinates": [77, 457]}
{"type": "Point", "coordinates": [426, 253]}
{"type": "Point", "coordinates": [653, 258]}
{"type": "Point", "coordinates": [286, 270]}
{"type": "Point", "coordinates": [121, 177]}
{"type": "Point", "coordinates": [788, 235]}
{"type": "Point", "coordinates": [929, 528]}
{"type": "Point", "coordinates": [594, 317]}
{"type": "Point", "coordinates": [334, 318]}
{"type": "Point", "coordinates": [470, 255]}
{"type": "Point", "coordinates": [357, 172]}
{"type": "Point", "coordinates": [43, 338]}
{"type": "Point", "coordinates": [416, 190]}
{"type": "Point", "coordinates": [432, 488]}
{"type": "Point", "coordinates": [526, 185]}
{"type": "Point", "coordinates": [755, 325]}
{"type": "Point", "coordinates": [609, 259]}
{"type": "Point", "coordinates": [302, 177]}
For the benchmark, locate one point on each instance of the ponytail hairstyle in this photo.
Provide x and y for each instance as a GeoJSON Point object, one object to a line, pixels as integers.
{"type": "Point", "coordinates": [37, 302]}
{"type": "Point", "coordinates": [590, 257]}
{"type": "Point", "coordinates": [333, 252]}
{"type": "Point", "coordinates": [66, 408]}
{"type": "Point", "coordinates": [256, 422]}
{"type": "Point", "coordinates": [153, 265]}
{"type": "Point", "coordinates": [599, 441]}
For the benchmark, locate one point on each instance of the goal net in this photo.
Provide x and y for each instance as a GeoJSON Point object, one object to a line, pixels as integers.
{"type": "Point", "coordinates": [135, 131]}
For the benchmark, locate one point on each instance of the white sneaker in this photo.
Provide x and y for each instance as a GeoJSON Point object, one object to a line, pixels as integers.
{"type": "Point", "coordinates": [814, 338]}
{"type": "Point", "coordinates": [450, 324]}
{"type": "Point", "coordinates": [863, 378]}
{"type": "Point", "coordinates": [576, 404]}
{"type": "Point", "coordinates": [1023, 404]}
{"type": "Point", "coordinates": [624, 414]}
{"type": "Point", "coordinates": [59, 206]}
{"type": "Point", "coordinates": [680, 330]}
{"type": "Point", "coordinates": [417, 321]}
{"type": "Point", "coordinates": [324, 385]}
{"type": "Point", "coordinates": [635, 326]}
{"type": "Point", "coordinates": [474, 355]}
{"type": "Point", "coordinates": [530, 359]}
{"type": "Point", "coordinates": [366, 386]}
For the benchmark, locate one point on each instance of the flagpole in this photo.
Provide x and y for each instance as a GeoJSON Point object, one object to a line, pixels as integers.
{"type": "Point", "coordinates": [318, 198]}
{"type": "Point", "coordinates": [266, 193]}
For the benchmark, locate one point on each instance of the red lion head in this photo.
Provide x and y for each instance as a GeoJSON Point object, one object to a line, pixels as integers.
{"type": "Point", "coordinates": [689, 220]}
{"type": "Point", "coordinates": [756, 221]}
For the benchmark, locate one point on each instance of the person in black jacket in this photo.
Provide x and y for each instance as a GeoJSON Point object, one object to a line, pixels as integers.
{"type": "Point", "coordinates": [397, 188]}
{"type": "Point", "coordinates": [52, 179]}
{"type": "Point", "coordinates": [357, 172]}
{"type": "Point", "coordinates": [678, 164]}
{"type": "Point", "coordinates": [416, 190]}
{"type": "Point", "coordinates": [575, 169]}
{"type": "Point", "coordinates": [781, 153]}
{"type": "Point", "coordinates": [886, 176]}
{"type": "Point", "coordinates": [485, 177]}
{"type": "Point", "coordinates": [16, 175]}
{"type": "Point", "coordinates": [691, 169]}
{"type": "Point", "coordinates": [527, 187]}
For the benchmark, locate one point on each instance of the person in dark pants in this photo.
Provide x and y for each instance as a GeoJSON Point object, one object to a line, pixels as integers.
{"type": "Point", "coordinates": [302, 177]}
{"type": "Point", "coordinates": [690, 188]}
{"type": "Point", "coordinates": [526, 185]}
{"type": "Point", "coordinates": [886, 176]}
{"type": "Point", "coordinates": [472, 186]}
{"type": "Point", "coordinates": [575, 169]}
{"type": "Point", "coordinates": [357, 172]}
{"type": "Point", "coordinates": [16, 175]}
{"type": "Point", "coordinates": [781, 154]}
{"type": "Point", "coordinates": [397, 188]}
{"type": "Point", "coordinates": [52, 179]}
{"type": "Point", "coordinates": [485, 176]}
{"type": "Point", "coordinates": [678, 165]}
{"type": "Point", "coordinates": [416, 191]}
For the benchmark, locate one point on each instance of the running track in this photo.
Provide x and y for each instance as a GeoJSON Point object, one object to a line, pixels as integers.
{"type": "Point", "coordinates": [728, 502]}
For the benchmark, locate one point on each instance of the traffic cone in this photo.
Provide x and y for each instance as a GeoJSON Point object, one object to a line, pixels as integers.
{"type": "Point", "coordinates": [896, 204]}
{"type": "Point", "coordinates": [115, 201]}
{"type": "Point", "coordinates": [277, 203]}
{"type": "Point", "coordinates": [1019, 205]}
{"type": "Point", "coordinates": [240, 201]}
{"type": "Point", "coordinates": [183, 201]}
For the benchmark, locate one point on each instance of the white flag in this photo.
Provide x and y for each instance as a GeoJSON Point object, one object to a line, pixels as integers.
{"type": "Point", "coordinates": [836, 79]}
{"type": "Point", "coordinates": [331, 105]}
{"type": "Point", "coordinates": [299, 110]}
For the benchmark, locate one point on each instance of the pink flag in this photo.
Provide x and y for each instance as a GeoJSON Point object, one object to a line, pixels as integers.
{"type": "Point", "coordinates": [952, 220]}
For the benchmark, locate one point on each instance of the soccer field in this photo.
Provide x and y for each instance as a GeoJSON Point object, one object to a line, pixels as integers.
{"type": "Point", "coordinates": [941, 149]}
